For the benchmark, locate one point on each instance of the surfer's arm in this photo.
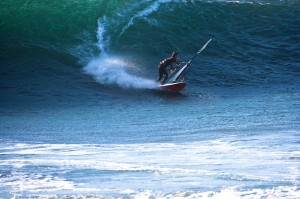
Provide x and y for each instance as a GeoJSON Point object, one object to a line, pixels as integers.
{"type": "Point", "coordinates": [179, 63]}
{"type": "Point", "coordinates": [172, 68]}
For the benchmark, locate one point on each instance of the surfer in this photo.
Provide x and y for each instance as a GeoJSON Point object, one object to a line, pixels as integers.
{"type": "Point", "coordinates": [164, 64]}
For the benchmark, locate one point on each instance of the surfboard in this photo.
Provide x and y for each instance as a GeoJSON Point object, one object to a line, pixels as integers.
{"type": "Point", "coordinates": [176, 87]}
{"type": "Point", "coordinates": [171, 83]}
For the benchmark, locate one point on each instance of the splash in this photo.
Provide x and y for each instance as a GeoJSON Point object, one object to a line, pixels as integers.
{"type": "Point", "coordinates": [109, 69]}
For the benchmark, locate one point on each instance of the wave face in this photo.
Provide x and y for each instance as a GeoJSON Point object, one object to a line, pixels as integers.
{"type": "Point", "coordinates": [255, 42]}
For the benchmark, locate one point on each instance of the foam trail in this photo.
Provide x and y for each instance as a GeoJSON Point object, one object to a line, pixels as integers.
{"type": "Point", "coordinates": [108, 69]}
{"type": "Point", "coordinates": [112, 70]}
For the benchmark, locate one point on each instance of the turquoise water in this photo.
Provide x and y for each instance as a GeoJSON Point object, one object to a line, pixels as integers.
{"type": "Point", "coordinates": [80, 115]}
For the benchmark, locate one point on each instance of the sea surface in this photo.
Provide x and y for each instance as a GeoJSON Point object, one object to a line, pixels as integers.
{"type": "Point", "coordinates": [81, 115]}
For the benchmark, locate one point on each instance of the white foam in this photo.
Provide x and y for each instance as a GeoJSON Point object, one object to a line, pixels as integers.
{"type": "Point", "coordinates": [110, 70]}
{"type": "Point", "coordinates": [193, 162]}
{"type": "Point", "coordinates": [35, 182]}
{"type": "Point", "coordinates": [230, 192]}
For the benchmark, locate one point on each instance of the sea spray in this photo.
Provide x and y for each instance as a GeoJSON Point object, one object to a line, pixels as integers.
{"type": "Point", "coordinates": [149, 10]}
{"type": "Point", "coordinates": [109, 69]}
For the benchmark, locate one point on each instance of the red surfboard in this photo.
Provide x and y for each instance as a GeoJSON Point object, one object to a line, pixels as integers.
{"type": "Point", "coordinates": [176, 87]}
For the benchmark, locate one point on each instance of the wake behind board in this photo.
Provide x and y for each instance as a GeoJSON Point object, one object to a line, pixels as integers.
{"type": "Point", "coordinates": [176, 87]}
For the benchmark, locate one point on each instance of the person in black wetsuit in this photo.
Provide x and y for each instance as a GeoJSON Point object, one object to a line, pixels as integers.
{"type": "Point", "coordinates": [164, 64]}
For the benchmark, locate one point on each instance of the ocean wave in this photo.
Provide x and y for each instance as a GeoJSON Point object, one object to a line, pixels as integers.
{"type": "Point", "coordinates": [231, 192]}
{"type": "Point", "coordinates": [253, 40]}
{"type": "Point", "coordinates": [66, 169]}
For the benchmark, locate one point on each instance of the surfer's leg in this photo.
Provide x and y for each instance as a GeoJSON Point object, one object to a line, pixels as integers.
{"type": "Point", "coordinates": [159, 78]}
{"type": "Point", "coordinates": [160, 74]}
{"type": "Point", "coordinates": [166, 75]}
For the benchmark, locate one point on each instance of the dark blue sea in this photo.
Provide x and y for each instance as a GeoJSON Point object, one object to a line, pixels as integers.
{"type": "Point", "coordinates": [81, 115]}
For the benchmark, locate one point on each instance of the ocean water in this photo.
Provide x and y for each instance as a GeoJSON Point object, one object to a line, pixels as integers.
{"type": "Point", "coordinates": [81, 115]}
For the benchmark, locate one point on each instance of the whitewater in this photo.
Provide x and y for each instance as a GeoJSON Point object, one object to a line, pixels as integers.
{"type": "Point", "coordinates": [111, 69]}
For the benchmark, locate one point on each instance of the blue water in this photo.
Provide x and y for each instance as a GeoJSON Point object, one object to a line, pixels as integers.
{"type": "Point", "coordinates": [81, 115]}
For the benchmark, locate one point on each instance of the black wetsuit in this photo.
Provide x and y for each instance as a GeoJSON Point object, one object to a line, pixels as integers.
{"type": "Point", "coordinates": [162, 68]}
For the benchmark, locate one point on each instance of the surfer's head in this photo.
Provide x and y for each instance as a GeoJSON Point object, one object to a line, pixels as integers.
{"type": "Point", "coordinates": [174, 54]}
